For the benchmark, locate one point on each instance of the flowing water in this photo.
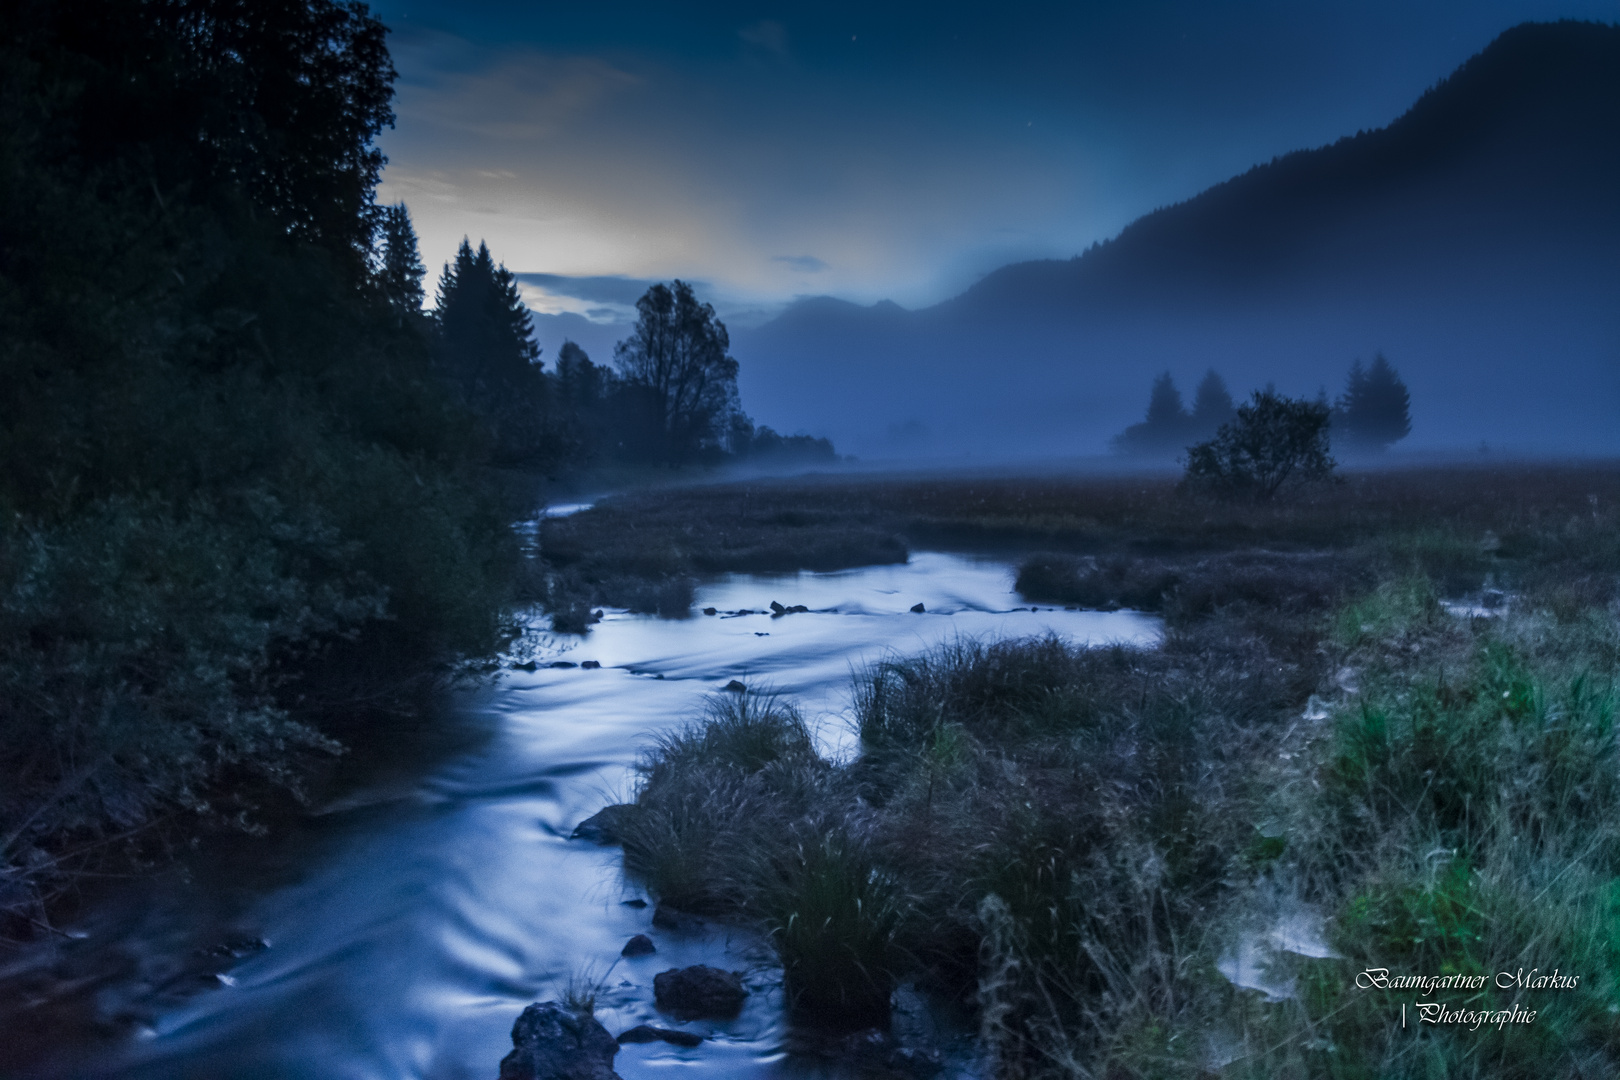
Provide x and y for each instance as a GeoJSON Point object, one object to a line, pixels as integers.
{"type": "Point", "coordinates": [405, 939]}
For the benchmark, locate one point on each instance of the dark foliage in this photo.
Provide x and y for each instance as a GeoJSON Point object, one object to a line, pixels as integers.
{"type": "Point", "coordinates": [680, 353]}
{"type": "Point", "coordinates": [1374, 412]}
{"type": "Point", "coordinates": [235, 503]}
{"type": "Point", "coordinates": [1274, 442]}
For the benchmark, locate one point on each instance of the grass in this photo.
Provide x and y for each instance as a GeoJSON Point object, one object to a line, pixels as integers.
{"type": "Point", "coordinates": [1323, 768]}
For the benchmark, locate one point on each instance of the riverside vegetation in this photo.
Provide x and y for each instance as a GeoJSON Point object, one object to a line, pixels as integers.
{"type": "Point", "coordinates": [1379, 733]}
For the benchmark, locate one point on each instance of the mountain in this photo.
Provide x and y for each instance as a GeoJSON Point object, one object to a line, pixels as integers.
{"type": "Point", "coordinates": [1475, 241]}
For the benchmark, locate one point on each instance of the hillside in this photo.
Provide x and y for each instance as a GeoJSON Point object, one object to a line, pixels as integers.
{"type": "Point", "coordinates": [1474, 240]}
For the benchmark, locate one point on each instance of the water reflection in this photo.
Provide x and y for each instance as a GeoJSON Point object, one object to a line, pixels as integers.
{"type": "Point", "coordinates": [430, 917]}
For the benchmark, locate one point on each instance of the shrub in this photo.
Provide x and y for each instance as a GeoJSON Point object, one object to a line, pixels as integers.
{"type": "Point", "coordinates": [1274, 442]}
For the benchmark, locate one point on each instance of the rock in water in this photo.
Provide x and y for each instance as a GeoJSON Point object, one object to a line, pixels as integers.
{"type": "Point", "coordinates": [552, 1042]}
{"type": "Point", "coordinates": [918, 609]}
{"type": "Point", "coordinates": [604, 826]}
{"type": "Point", "coordinates": [645, 1033]}
{"type": "Point", "coordinates": [699, 992]}
{"type": "Point", "coordinates": [640, 945]}
{"type": "Point", "coordinates": [667, 918]}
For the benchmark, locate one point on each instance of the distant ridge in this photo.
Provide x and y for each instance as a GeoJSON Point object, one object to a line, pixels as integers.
{"type": "Point", "coordinates": [1476, 238]}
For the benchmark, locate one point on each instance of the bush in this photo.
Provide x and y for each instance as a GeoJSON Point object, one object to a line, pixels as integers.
{"type": "Point", "coordinates": [1273, 443]}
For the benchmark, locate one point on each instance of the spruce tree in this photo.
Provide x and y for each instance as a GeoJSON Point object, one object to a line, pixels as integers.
{"type": "Point", "coordinates": [1165, 429]}
{"type": "Point", "coordinates": [399, 269]}
{"type": "Point", "coordinates": [1374, 412]}
{"type": "Point", "coordinates": [1212, 406]}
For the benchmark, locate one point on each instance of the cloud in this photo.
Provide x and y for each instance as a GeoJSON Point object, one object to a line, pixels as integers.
{"type": "Point", "coordinates": [598, 289]}
{"type": "Point", "coordinates": [808, 264]}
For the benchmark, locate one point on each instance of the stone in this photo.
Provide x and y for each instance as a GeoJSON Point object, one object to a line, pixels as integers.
{"type": "Point", "coordinates": [590, 665]}
{"type": "Point", "coordinates": [699, 992]}
{"type": "Point", "coordinates": [710, 611]}
{"type": "Point", "coordinates": [552, 1042]}
{"type": "Point", "coordinates": [777, 609]}
{"type": "Point", "coordinates": [637, 902]}
{"type": "Point", "coordinates": [917, 609]}
{"type": "Point", "coordinates": [667, 918]}
{"type": "Point", "coordinates": [645, 1033]}
{"type": "Point", "coordinates": [562, 664]}
{"type": "Point", "coordinates": [603, 827]}
{"type": "Point", "coordinates": [736, 687]}
{"type": "Point", "coordinates": [527, 665]}
{"type": "Point", "coordinates": [640, 945]}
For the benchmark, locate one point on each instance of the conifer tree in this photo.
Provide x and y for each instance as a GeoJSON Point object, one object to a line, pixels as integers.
{"type": "Point", "coordinates": [1212, 406]}
{"type": "Point", "coordinates": [1166, 428]}
{"type": "Point", "coordinates": [1374, 412]}
{"type": "Point", "coordinates": [399, 269]}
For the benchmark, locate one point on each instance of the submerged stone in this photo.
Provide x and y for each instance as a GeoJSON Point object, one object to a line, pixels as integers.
{"type": "Point", "coordinates": [604, 826]}
{"type": "Point", "coordinates": [917, 609]}
{"type": "Point", "coordinates": [552, 1042]}
{"type": "Point", "coordinates": [640, 945]}
{"type": "Point", "coordinates": [645, 1033]}
{"type": "Point", "coordinates": [699, 992]}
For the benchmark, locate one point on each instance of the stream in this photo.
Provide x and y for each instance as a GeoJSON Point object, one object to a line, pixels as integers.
{"type": "Point", "coordinates": [404, 938]}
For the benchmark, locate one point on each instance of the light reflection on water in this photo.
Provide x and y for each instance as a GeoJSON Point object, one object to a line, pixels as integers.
{"type": "Point", "coordinates": [434, 917]}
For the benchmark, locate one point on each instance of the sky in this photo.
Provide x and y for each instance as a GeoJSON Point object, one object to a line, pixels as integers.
{"type": "Point", "coordinates": [868, 151]}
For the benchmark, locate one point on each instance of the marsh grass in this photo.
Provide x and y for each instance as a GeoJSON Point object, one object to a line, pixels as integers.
{"type": "Point", "coordinates": [1324, 768]}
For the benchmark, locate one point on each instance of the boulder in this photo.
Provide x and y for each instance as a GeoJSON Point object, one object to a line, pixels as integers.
{"type": "Point", "coordinates": [590, 665]}
{"type": "Point", "coordinates": [736, 687]}
{"type": "Point", "coordinates": [710, 611]}
{"type": "Point", "coordinates": [552, 1042]}
{"type": "Point", "coordinates": [640, 945]}
{"type": "Point", "coordinates": [777, 609]}
{"type": "Point", "coordinates": [604, 826]}
{"type": "Point", "coordinates": [645, 1033]}
{"type": "Point", "coordinates": [562, 664]}
{"type": "Point", "coordinates": [917, 609]}
{"type": "Point", "coordinates": [699, 992]}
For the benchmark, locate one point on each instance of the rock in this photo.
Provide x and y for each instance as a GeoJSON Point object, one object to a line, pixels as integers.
{"type": "Point", "coordinates": [707, 611]}
{"type": "Point", "coordinates": [562, 664]}
{"type": "Point", "coordinates": [777, 609]}
{"type": "Point", "coordinates": [640, 945]}
{"type": "Point", "coordinates": [603, 827]}
{"type": "Point", "coordinates": [638, 902]}
{"type": "Point", "coordinates": [667, 918]}
{"type": "Point", "coordinates": [527, 665]}
{"type": "Point", "coordinates": [699, 992]}
{"type": "Point", "coordinates": [736, 687]}
{"type": "Point", "coordinates": [596, 616]}
{"type": "Point", "coordinates": [645, 1033]}
{"type": "Point", "coordinates": [917, 609]}
{"type": "Point", "coordinates": [746, 611]}
{"type": "Point", "coordinates": [590, 665]}
{"type": "Point", "coordinates": [761, 633]}
{"type": "Point", "coordinates": [551, 1042]}
{"type": "Point", "coordinates": [797, 609]}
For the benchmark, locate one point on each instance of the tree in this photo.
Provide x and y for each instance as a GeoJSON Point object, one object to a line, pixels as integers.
{"type": "Point", "coordinates": [484, 346]}
{"type": "Point", "coordinates": [1212, 406]}
{"type": "Point", "coordinates": [399, 269]}
{"type": "Point", "coordinates": [1374, 412]}
{"type": "Point", "coordinates": [1164, 430]}
{"type": "Point", "coordinates": [679, 351]}
{"type": "Point", "coordinates": [1272, 442]}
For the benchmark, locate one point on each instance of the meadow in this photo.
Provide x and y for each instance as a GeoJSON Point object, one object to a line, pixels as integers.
{"type": "Point", "coordinates": [1378, 735]}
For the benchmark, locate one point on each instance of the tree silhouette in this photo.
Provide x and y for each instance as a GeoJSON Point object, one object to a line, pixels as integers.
{"type": "Point", "coordinates": [484, 346]}
{"type": "Point", "coordinates": [1374, 412]}
{"type": "Point", "coordinates": [1166, 428]}
{"type": "Point", "coordinates": [679, 351]}
{"type": "Point", "coordinates": [399, 269]}
{"type": "Point", "coordinates": [1212, 406]}
{"type": "Point", "coordinates": [1273, 441]}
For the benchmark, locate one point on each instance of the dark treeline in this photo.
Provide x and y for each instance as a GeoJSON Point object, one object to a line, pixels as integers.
{"type": "Point", "coordinates": [1370, 416]}
{"type": "Point", "coordinates": [238, 512]}
{"type": "Point", "coordinates": [670, 397]}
